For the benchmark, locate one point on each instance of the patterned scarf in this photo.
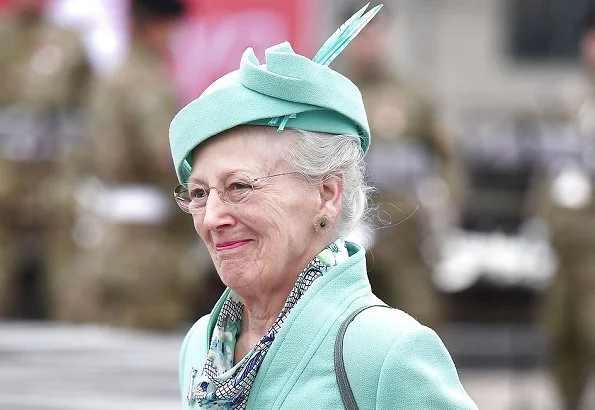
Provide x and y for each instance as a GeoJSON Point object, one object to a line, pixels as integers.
{"type": "Point", "coordinates": [225, 386]}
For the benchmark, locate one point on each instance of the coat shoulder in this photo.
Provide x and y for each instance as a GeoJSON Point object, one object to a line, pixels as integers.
{"type": "Point", "coordinates": [391, 324]}
{"type": "Point", "coordinates": [393, 361]}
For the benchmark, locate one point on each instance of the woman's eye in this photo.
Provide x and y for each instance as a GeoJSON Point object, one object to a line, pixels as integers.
{"type": "Point", "coordinates": [197, 193]}
{"type": "Point", "coordinates": [239, 186]}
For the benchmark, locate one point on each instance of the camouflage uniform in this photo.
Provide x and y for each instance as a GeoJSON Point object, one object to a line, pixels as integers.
{"type": "Point", "coordinates": [568, 206]}
{"type": "Point", "coordinates": [137, 245]}
{"type": "Point", "coordinates": [44, 74]}
{"type": "Point", "coordinates": [404, 155]}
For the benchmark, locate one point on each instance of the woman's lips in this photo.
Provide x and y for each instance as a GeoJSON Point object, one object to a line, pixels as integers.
{"type": "Point", "coordinates": [224, 246]}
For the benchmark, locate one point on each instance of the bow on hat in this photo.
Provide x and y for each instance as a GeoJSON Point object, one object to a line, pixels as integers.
{"type": "Point", "coordinates": [288, 90]}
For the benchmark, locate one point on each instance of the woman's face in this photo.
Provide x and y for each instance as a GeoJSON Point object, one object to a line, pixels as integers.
{"type": "Point", "coordinates": [259, 244]}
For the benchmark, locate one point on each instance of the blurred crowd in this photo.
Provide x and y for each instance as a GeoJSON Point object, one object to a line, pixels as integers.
{"type": "Point", "coordinates": [88, 228]}
{"type": "Point", "coordinates": [494, 225]}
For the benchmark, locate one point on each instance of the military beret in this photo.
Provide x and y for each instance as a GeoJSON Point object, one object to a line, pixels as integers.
{"type": "Point", "coordinates": [288, 90]}
{"type": "Point", "coordinates": [589, 20]}
{"type": "Point", "coordinates": [158, 8]}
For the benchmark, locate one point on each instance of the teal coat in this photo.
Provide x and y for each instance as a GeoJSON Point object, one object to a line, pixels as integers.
{"type": "Point", "coordinates": [392, 361]}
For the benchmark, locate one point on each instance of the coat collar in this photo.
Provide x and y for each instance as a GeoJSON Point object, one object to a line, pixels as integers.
{"type": "Point", "coordinates": [356, 264]}
{"type": "Point", "coordinates": [322, 308]}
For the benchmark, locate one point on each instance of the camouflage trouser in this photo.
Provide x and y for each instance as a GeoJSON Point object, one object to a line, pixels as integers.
{"type": "Point", "coordinates": [36, 245]}
{"type": "Point", "coordinates": [397, 271]}
{"type": "Point", "coordinates": [7, 269]}
{"type": "Point", "coordinates": [134, 278]}
{"type": "Point", "coordinates": [32, 264]}
{"type": "Point", "coordinates": [570, 302]}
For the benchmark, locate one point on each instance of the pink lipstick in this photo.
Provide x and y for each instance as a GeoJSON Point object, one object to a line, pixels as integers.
{"type": "Point", "coordinates": [224, 246]}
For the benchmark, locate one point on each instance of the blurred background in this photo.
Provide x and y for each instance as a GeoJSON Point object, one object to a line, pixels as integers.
{"type": "Point", "coordinates": [483, 121]}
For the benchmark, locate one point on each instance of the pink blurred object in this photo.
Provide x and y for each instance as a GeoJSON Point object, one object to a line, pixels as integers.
{"type": "Point", "coordinates": [212, 39]}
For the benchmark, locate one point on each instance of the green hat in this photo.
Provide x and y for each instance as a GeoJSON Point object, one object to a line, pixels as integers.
{"type": "Point", "coordinates": [288, 90]}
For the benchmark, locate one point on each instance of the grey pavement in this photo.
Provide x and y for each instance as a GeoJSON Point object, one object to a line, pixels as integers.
{"type": "Point", "coordinates": [49, 366]}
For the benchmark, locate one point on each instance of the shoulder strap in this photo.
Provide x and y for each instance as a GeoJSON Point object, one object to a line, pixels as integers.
{"type": "Point", "coordinates": [344, 387]}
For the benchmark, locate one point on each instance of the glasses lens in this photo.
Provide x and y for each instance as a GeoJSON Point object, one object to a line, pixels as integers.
{"type": "Point", "coordinates": [198, 197]}
{"type": "Point", "coordinates": [182, 197]}
{"type": "Point", "coordinates": [238, 189]}
{"type": "Point", "coordinates": [192, 198]}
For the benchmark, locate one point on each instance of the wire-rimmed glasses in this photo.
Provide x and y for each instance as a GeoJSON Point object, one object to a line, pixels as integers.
{"type": "Point", "coordinates": [192, 197]}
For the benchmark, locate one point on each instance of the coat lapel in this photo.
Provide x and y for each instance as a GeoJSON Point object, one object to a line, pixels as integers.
{"type": "Point", "coordinates": [313, 320]}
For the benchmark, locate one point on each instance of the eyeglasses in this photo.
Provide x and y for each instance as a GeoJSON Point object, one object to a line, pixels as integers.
{"type": "Point", "coordinates": [192, 197]}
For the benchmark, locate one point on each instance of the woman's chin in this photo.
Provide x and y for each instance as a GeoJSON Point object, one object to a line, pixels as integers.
{"type": "Point", "coordinates": [233, 274]}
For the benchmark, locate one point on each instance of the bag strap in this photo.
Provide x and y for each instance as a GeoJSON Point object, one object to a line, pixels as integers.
{"type": "Point", "coordinates": [344, 387]}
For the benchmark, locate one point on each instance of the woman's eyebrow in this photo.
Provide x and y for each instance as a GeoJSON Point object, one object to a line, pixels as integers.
{"type": "Point", "coordinates": [195, 180]}
{"type": "Point", "coordinates": [223, 176]}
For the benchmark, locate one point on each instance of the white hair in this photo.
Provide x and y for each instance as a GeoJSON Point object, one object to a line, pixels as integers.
{"type": "Point", "coordinates": [318, 155]}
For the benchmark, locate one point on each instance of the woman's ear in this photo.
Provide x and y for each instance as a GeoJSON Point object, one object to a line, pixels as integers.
{"type": "Point", "coordinates": [331, 195]}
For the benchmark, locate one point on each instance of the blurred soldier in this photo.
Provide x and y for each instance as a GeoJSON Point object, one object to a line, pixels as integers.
{"type": "Point", "coordinates": [569, 209]}
{"type": "Point", "coordinates": [44, 74]}
{"type": "Point", "coordinates": [131, 273]}
{"type": "Point", "coordinates": [403, 162]}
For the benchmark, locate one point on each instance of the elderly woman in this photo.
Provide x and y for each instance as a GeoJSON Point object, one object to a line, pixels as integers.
{"type": "Point", "coordinates": [270, 158]}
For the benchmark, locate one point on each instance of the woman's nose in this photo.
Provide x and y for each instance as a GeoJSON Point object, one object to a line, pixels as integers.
{"type": "Point", "coordinates": [216, 211]}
